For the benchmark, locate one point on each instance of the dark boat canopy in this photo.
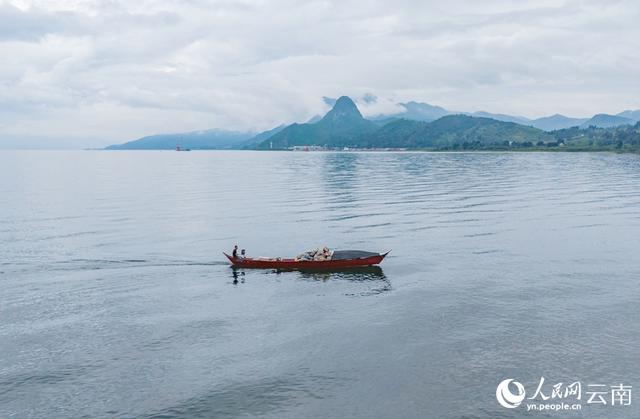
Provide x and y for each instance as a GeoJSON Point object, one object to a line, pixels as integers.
{"type": "Point", "coordinates": [352, 254]}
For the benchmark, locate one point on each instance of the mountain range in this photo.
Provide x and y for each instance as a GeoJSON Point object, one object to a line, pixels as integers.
{"type": "Point", "coordinates": [449, 132]}
{"type": "Point", "coordinates": [418, 125]}
{"type": "Point", "coordinates": [344, 126]}
{"type": "Point", "coordinates": [426, 112]}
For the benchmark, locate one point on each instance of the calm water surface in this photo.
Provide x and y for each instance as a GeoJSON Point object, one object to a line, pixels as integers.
{"type": "Point", "coordinates": [115, 300]}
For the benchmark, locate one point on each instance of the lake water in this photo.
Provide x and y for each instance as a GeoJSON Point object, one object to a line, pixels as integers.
{"type": "Point", "coordinates": [116, 301]}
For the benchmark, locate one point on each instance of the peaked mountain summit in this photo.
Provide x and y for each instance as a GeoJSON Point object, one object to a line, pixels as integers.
{"type": "Point", "coordinates": [345, 118]}
{"type": "Point", "coordinates": [341, 124]}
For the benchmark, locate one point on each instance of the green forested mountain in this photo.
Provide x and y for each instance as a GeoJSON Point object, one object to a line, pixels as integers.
{"type": "Point", "coordinates": [452, 131]}
{"type": "Point", "coordinates": [399, 131]}
{"type": "Point", "coordinates": [622, 138]}
{"type": "Point", "coordinates": [455, 132]}
{"type": "Point", "coordinates": [341, 124]}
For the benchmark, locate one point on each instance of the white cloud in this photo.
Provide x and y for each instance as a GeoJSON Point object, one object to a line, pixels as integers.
{"type": "Point", "coordinates": [110, 70]}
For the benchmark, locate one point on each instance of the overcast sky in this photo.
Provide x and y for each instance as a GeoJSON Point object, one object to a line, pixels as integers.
{"type": "Point", "coordinates": [95, 72]}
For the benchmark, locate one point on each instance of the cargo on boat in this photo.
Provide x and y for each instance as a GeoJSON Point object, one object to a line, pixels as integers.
{"type": "Point", "coordinates": [319, 259]}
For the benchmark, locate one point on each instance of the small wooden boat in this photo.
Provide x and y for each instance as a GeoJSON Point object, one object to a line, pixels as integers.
{"type": "Point", "coordinates": [340, 259]}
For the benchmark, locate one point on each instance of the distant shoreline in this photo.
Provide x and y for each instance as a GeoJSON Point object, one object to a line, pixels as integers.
{"type": "Point", "coordinates": [484, 150]}
{"type": "Point", "coordinates": [409, 150]}
{"type": "Point", "coordinates": [417, 150]}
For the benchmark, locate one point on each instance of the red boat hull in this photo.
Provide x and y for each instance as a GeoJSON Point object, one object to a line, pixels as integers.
{"type": "Point", "coordinates": [304, 264]}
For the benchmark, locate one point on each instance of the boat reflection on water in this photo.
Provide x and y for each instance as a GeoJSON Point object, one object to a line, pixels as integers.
{"type": "Point", "coordinates": [373, 275]}
{"type": "Point", "coordinates": [237, 273]}
{"type": "Point", "coordinates": [365, 273]}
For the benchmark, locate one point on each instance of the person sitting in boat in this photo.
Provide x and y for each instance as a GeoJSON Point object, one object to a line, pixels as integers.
{"type": "Point", "coordinates": [243, 254]}
{"type": "Point", "coordinates": [235, 252]}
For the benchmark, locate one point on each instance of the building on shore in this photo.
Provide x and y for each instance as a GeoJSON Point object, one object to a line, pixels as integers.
{"type": "Point", "coordinates": [308, 148]}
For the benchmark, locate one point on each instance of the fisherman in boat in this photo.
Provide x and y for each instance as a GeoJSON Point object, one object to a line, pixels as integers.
{"type": "Point", "coordinates": [235, 252]}
{"type": "Point", "coordinates": [243, 254]}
